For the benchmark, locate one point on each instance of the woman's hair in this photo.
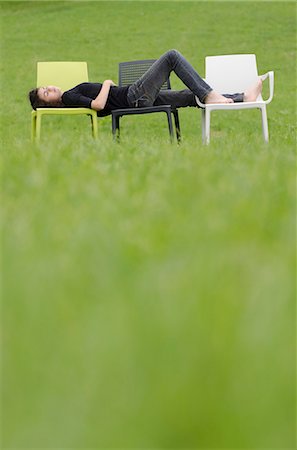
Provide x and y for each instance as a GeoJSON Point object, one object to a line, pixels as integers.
{"type": "Point", "coordinates": [36, 102]}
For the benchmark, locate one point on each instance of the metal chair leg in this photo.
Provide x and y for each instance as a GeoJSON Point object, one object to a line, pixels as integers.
{"type": "Point", "coordinates": [264, 124]}
{"type": "Point", "coordinates": [38, 126]}
{"type": "Point", "coordinates": [94, 125]}
{"type": "Point", "coordinates": [177, 126]}
{"type": "Point", "coordinates": [115, 127]}
{"type": "Point", "coordinates": [33, 128]}
{"type": "Point", "coordinates": [207, 127]}
{"type": "Point", "coordinates": [170, 126]}
{"type": "Point", "coordinates": [203, 125]}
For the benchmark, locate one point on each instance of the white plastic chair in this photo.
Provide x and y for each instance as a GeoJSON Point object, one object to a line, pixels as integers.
{"type": "Point", "coordinates": [232, 74]}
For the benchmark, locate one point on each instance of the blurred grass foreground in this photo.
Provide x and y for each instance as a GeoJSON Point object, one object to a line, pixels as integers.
{"type": "Point", "coordinates": [149, 294]}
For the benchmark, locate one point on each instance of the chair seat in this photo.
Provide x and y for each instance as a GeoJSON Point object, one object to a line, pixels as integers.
{"type": "Point", "coordinates": [167, 109]}
{"type": "Point", "coordinates": [234, 106]}
{"type": "Point", "coordinates": [144, 110]}
{"type": "Point", "coordinates": [61, 111]}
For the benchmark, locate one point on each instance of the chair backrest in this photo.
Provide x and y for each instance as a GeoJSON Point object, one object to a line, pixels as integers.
{"type": "Point", "coordinates": [228, 74]}
{"type": "Point", "coordinates": [130, 71]}
{"type": "Point", "coordinates": [64, 74]}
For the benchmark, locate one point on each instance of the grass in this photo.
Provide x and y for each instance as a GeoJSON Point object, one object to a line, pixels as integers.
{"type": "Point", "coordinates": [148, 287]}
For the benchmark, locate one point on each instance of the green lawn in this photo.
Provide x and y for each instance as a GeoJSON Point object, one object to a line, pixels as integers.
{"type": "Point", "coordinates": [149, 295]}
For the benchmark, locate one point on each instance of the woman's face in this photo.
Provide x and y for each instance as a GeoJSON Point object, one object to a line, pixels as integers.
{"type": "Point", "coordinates": [50, 94]}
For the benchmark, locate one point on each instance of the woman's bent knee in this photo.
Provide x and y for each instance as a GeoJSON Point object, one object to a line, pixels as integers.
{"type": "Point", "coordinates": [173, 52]}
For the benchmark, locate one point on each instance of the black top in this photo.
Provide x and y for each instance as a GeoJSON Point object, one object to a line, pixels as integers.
{"type": "Point", "coordinates": [83, 94]}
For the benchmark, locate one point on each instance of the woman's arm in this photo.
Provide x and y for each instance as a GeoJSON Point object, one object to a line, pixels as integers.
{"type": "Point", "coordinates": [100, 101]}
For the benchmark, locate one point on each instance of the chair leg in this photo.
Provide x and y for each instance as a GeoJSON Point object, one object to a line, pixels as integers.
{"type": "Point", "coordinates": [264, 124]}
{"type": "Point", "coordinates": [177, 126]}
{"type": "Point", "coordinates": [207, 127]}
{"type": "Point", "coordinates": [115, 127]}
{"type": "Point", "coordinates": [203, 125]}
{"type": "Point", "coordinates": [33, 128]}
{"type": "Point", "coordinates": [94, 125]}
{"type": "Point", "coordinates": [38, 126]}
{"type": "Point", "coordinates": [170, 126]}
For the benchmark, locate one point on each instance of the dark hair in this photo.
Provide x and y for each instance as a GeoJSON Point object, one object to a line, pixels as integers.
{"type": "Point", "coordinates": [36, 102]}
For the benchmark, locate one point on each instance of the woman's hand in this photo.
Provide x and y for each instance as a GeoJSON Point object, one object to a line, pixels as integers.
{"type": "Point", "coordinates": [100, 101]}
{"type": "Point", "coordinates": [110, 82]}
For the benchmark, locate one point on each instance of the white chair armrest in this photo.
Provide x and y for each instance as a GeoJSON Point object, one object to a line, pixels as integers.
{"type": "Point", "coordinates": [271, 85]}
{"type": "Point", "coordinates": [202, 105]}
{"type": "Point", "coordinates": [263, 77]}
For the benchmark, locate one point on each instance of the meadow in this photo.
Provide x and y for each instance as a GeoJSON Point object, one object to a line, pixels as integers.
{"type": "Point", "coordinates": [148, 287]}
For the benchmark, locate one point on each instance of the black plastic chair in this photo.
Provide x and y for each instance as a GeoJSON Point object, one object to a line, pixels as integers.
{"type": "Point", "coordinates": [129, 72]}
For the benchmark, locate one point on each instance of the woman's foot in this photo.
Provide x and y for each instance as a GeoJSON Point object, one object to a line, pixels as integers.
{"type": "Point", "coordinates": [252, 93]}
{"type": "Point", "coordinates": [215, 97]}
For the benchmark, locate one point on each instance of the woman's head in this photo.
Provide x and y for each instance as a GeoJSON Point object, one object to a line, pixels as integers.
{"type": "Point", "coordinates": [46, 97]}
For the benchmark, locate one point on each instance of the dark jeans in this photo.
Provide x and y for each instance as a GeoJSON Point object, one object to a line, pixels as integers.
{"type": "Point", "coordinates": [146, 90]}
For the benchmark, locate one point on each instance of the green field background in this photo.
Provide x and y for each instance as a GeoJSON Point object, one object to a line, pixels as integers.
{"type": "Point", "coordinates": [148, 288]}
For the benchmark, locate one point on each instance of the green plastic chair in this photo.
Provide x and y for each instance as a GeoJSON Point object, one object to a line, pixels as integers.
{"type": "Point", "coordinates": [66, 75]}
